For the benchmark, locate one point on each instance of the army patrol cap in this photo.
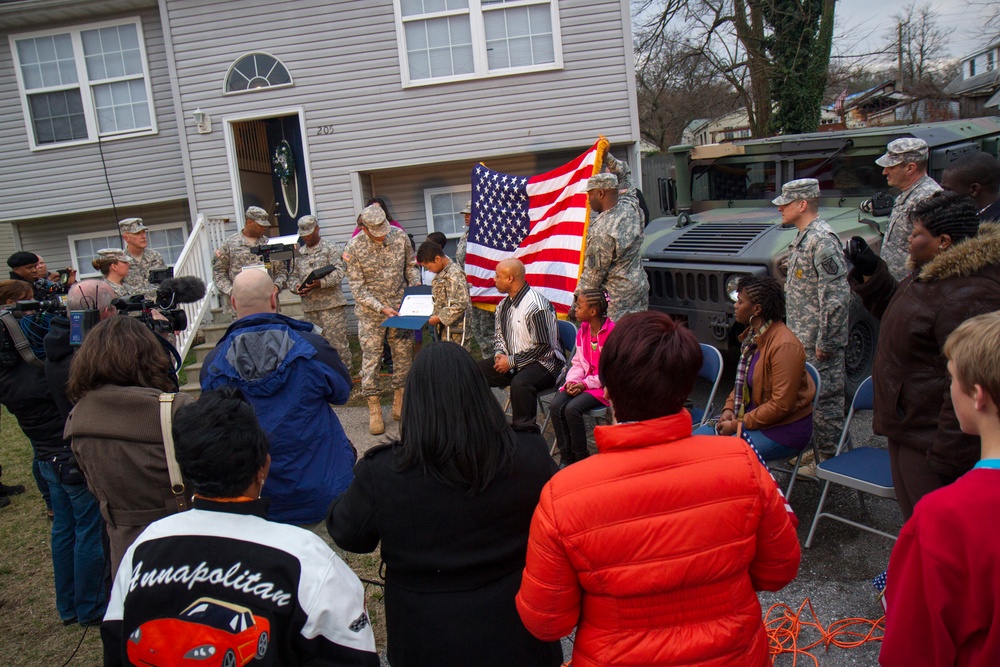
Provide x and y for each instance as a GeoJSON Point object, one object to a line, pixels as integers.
{"type": "Point", "coordinates": [602, 182]}
{"type": "Point", "coordinates": [801, 188]}
{"type": "Point", "coordinates": [112, 255]}
{"type": "Point", "coordinates": [904, 150]}
{"type": "Point", "coordinates": [131, 226]}
{"type": "Point", "coordinates": [468, 207]}
{"type": "Point", "coordinates": [307, 225]}
{"type": "Point", "coordinates": [258, 215]}
{"type": "Point", "coordinates": [373, 218]}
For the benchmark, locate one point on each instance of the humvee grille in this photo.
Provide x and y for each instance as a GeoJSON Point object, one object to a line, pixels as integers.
{"type": "Point", "coordinates": [718, 238]}
{"type": "Point", "coordinates": [684, 286]}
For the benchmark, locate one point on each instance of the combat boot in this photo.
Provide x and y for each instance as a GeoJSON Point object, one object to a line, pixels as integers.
{"type": "Point", "coordinates": [375, 424]}
{"type": "Point", "coordinates": [397, 404]}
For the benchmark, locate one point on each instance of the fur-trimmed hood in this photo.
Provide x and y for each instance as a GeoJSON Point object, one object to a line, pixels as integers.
{"type": "Point", "coordinates": [966, 258]}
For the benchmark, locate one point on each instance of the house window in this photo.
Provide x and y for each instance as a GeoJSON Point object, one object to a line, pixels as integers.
{"type": "Point", "coordinates": [168, 240]}
{"type": "Point", "coordinates": [254, 71]}
{"type": "Point", "coordinates": [990, 61]}
{"type": "Point", "coordinates": [972, 67]}
{"type": "Point", "coordinates": [81, 84]}
{"type": "Point", "coordinates": [442, 206]}
{"type": "Point", "coordinates": [447, 40]}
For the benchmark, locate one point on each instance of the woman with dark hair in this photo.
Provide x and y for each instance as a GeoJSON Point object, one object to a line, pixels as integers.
{"type": "Point", "coordinates": [773, 395]}
{"type": "Point", "coordinates": [653, 548]}
{"type": "Point", "coordinates": [388, 216]}
{"type": "Point", "coordinates": [451, 501]}
{"type": "Point", "coordinates": [116, 379]}
{"type": "Point", "coordinates": [955, 275]}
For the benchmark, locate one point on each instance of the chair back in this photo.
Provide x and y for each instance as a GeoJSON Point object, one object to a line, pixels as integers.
{"type": "Point", "coordinates": [711, 370]}
{"type": "Point", "coordinates": [567, 336]}
{"type": "Point", "coordinates": [815, 376]}
{"type": "Point", "coordinates": [864, 397]}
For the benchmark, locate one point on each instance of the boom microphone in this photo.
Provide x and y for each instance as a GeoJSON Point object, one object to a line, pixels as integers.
{"type": "Point", "coordinates": [185, 289]}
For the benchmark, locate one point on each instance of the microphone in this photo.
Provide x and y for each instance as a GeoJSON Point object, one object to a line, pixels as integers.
{"type": "Point", "coordinates": [185, 289]}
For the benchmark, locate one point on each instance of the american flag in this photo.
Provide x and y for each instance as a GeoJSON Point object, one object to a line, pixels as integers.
{"type": "Point", "coordinates": [541, 220]}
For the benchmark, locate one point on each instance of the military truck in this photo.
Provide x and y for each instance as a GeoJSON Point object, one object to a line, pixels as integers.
{"type": "Point", "coordinates": [723, 225]}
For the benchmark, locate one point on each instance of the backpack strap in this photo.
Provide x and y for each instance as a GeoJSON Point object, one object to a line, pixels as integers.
{"type": "Point", "coordinates": [20, 342]}
{"type": "Point", "coordinates": [166, 427]}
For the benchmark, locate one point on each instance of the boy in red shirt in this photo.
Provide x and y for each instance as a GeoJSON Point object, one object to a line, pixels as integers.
{"type": "Point", "coordinates": [943, 593]}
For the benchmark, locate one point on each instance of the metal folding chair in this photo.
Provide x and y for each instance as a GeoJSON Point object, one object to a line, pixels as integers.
{"type": "Point", "coordinates": [865, 469]}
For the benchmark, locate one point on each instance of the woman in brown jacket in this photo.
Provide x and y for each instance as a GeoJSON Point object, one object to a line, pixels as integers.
{"type": "Point", "coordinates": [773, 393]}
{"type": "Point", "coordinates": [116, 379]}
{"type": "Point", "coordinates": [955, 275]}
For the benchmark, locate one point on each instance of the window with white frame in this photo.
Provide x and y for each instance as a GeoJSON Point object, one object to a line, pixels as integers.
{"type": "Point", "coordinates": [443, 206]}
{"type": "Point", "coordinates": [81, 84]}
{"type": "Point", "coordinates": [256, 70]}
{"type": "Point", "coordinates": [446, 40]}
{"type": "Point", "coordinates": [168, 240]}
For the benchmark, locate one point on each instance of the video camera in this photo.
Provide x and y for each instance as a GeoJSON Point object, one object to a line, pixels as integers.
{"type": "Point", "coordinates": [170, 292]}
{"type": "Point", "coordinates": [278, 248]}
{"type": "Point", "coordinates": [56, 306]}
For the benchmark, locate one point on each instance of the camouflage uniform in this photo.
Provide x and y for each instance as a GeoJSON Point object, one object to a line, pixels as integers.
{"type": "Point", "coordinates": [378, 272]}
{"type": "Point", "coordinates": [230, 259]}
{"type": "Point", "coordinates": [326, 306]}
{"type": "Point", "coordinates": [612, 260]}
{"type": "Point", "coordinates": [461, 249]}
{"type": "Point", "coordinates": [896, 245]}
{"type": "Point", "coordinates": [817, 299]}
{"type": "Point", "coordinates": [451, 301]}
{"type": "Point", "coordinates": [121, 291]}
{"type": "Point", "coordinates": [137, 280]}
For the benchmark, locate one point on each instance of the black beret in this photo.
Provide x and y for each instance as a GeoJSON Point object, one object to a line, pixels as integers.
{"type": "Point", "coordinates": [22, 258]}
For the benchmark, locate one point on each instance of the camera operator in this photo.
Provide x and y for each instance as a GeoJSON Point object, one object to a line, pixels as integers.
{"type": "Point", "coordinates": [24, 266]}
{"type": "Point", "coordinates": [93, 294]}
{"type": "Point", "coordinates": [57, 282]}
{"type": "Point", "coordinates": [236, 253]}
{"type": "Point", "coordinates": [77, 554]}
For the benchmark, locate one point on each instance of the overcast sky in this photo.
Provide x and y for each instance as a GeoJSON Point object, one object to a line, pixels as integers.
{"type": "Point", "coordinates": [861, 24]}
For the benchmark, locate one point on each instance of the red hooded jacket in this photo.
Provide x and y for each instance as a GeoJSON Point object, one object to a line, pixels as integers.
{"type": "Point", "coordinates": [655, 547]}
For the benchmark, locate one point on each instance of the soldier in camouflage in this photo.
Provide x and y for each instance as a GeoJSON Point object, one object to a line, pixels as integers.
{"type": "Point", "coordinates": [817, 297]}
{"type": "Point", "coordinates": [479, 323]}
{"type": "Point", "coordinates": [323, 301]}
{"type": "Point", "coordinates": [114, 266]}
{"type": "Point", "coordinates": [142, 258]}
{"type": "Point", "coordinates": [464, 241]}
{"type": "Point", "coordinates": [450, 291]}
{"type": "Point", "coordinates": [380, 265]}
{"type": "Point", "coordinates": [905, 167]}
{"type": "Point", "coordinates": [234, 254]}
{"type": "Point", "coordinates": [612, 260]}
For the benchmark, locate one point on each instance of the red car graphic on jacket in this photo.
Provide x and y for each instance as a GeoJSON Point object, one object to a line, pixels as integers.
{"type": "Point", "coordinates": [208, 633]}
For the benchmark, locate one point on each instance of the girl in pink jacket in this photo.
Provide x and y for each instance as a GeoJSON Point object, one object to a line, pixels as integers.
{"type": "Point", "coordinates": [582, 390]}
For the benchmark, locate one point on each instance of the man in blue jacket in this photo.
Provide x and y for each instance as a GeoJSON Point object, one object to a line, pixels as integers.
{"type": "Point", "coordinates": [290, 375]}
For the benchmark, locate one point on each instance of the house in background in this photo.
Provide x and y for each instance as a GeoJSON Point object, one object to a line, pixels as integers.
{"type": "Point", "coordinates": [167, 109]}
{"type": "Point", "coordinates": [977, 87]}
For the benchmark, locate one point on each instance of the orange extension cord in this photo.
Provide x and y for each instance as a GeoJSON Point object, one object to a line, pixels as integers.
{"type": "Point", "coordinates": [783, 632]}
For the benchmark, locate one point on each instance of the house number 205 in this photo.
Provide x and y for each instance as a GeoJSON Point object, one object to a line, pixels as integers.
{"type": "Point", "coordinates": [324, 129]}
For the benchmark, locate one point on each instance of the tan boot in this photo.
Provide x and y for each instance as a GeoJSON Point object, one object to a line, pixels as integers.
{"type": "Point", "coordinates": [397, 404]}
{"type": "Point", "coordinates": [375, 424]}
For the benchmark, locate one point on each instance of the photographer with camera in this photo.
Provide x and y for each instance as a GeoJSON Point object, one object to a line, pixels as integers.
{"type": "Point", "coordinates": [56, 282]}
{"type": "Point", "coordinates": [142, 259]}
{"type": "Point", "coordinates": [237, 252]}
{"type": "Point", "coordinates": [77, 554]}
{"type": "Point", "coordinates": [24, 266]}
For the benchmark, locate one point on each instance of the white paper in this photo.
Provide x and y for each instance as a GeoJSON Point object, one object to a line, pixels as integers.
{"type": "Point", "coordinates": [421, 305]}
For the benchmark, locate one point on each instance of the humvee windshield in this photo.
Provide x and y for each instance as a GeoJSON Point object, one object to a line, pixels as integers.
{"type": "Point", "coordinates": [843, 175]}
{"type": "Point", "coordinates": [740, 181]}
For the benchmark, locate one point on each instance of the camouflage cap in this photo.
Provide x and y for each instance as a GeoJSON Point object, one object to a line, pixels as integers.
{"type": "Point", "coordinates": [373, 218]}
{"type": "Point", "coordinates": [907, 149]}
{"type": "Point", "coordinates": [602, 182]}
{"type": "Point", "coordinates": [307, 225]}
{"type": "Point", "coordinates": [801, 188]}
{"type": "Point", "coordinates": [468, 207]}
{"type": "Point", "coordinates": [112, 254]}
{"type": "Point", "coordinates": [131, 226]}
{"type": "Point", "coordinates": [259, 215]}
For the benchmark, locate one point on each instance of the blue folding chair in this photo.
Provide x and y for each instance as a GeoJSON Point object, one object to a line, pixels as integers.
{"type": "Point", "coordinates": [567, 340]}
{"type": "Point", "coordinates": [711, 370]}
{"type": "Point", "coordinates": [794, 472]}
{"type": "Point", "coordinates": [865, 469]}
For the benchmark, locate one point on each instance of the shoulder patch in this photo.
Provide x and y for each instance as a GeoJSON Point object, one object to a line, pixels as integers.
{"type": "Point", "coordinates": [218, 252]}
{"type": "Point", "coordinates": [831, 266]}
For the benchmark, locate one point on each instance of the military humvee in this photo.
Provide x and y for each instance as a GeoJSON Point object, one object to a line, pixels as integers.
{"type": "Point", "coordinates": [724, 225]}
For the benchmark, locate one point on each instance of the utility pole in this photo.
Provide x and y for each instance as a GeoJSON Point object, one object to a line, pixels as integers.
{"type": "Point", "coordinates": [899, 42]}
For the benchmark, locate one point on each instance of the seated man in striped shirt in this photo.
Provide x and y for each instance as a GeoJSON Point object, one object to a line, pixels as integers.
{"type": "Point", "coordinates": [527, 356]}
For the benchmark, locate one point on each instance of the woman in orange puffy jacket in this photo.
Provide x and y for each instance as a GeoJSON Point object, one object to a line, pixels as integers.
{"type": "Point", "coordinates": [655, 547]}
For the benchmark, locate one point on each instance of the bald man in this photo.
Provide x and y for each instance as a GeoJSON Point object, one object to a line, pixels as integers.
{"type": "Point", "coordinates": [290, 375]}
{"type": "Point", "coordinates": [527, 356]}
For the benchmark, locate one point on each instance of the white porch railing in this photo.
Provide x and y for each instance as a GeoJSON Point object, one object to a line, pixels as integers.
{"type": "Point", "coordinates": [196, 260]}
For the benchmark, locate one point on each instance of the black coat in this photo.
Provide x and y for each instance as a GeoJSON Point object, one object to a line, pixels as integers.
{"type": "Point", "coordinates": [453, 560]}
{"type": "Point", "coordinates": [58, 355]}
{"type": "Point", "coordinates": [912, 400]}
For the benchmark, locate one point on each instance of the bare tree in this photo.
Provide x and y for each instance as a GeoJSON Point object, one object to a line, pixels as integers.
{"type": "Point", "coordinates": [922, 46]}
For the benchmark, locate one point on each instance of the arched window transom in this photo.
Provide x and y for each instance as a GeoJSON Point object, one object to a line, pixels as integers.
{"type": "Point", "coordinates": [255, 71]}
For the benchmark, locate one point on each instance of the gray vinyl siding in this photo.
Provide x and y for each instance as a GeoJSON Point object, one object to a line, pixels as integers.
{"type": "Point", "coordinates": [344, 61]}
{"type": "Point", "coordinates": [48, 237]}
{"type": "Point", "coordinates": [60, 181]}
